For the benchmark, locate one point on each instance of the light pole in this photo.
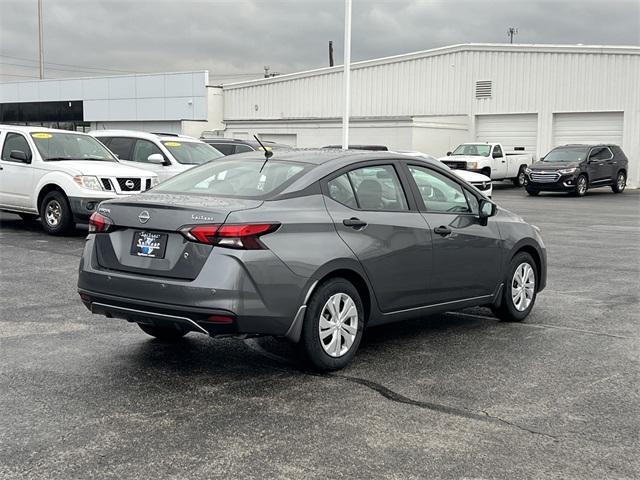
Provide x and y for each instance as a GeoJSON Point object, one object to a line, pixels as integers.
{"type": "Point", "coordinates": [40, 49]}
{"type": "Point", "coordinates": [346, 74]}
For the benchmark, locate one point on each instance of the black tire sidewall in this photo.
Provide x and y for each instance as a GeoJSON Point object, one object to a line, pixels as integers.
{"type": "Point", "coordinates": [576, 191]}
{"type": "Point", "coordinates": [533, 193]}
{"type": "Point", "coordinates": [507, 311]}
{"type": "Point", "coordinates": [310, 338]}
{"type": "Point", "coordinates": [66, 223]}
{"type": "Point", "coordinates": [615, 188]}
{"type": "Point", "coordinates": [516, 180]}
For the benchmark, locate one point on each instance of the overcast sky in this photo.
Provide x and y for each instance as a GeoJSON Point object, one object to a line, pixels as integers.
{"type": "Point", "coordinates": [235, 39]}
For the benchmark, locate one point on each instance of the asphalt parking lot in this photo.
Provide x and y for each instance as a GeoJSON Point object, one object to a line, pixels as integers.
{"type": "Point", "coordinates": [458, 395]}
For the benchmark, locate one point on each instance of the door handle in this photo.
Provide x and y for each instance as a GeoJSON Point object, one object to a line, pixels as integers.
{"type": "Point", "coordinates": [442, 230]}
{"type": "Point", "coordinates": [354, 222]}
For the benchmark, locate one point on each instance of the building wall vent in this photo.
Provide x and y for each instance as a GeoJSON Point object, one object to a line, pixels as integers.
{"type": "Point", "coordinates": [483, 89]}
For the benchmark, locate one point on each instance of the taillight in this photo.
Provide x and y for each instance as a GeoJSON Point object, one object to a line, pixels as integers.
{"type": "Point", "coordinates": [99, 223]}
{"type": "Point", "coordinates": [243, 236]}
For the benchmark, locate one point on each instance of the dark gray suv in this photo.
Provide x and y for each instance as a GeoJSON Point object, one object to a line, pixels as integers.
{"type": "Point", "coordinates": [309, 245]}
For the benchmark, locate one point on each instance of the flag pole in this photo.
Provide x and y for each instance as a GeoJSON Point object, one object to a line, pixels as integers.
{"type": "Point", "coordinates": [346, 74]}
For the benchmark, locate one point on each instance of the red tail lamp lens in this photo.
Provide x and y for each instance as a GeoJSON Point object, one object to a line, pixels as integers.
{"type": "Point", "coordinates": [251, 230]}
{"type": "Point", "coordinates": [240, 236]}
{"type": "Point", "coordinates": [221, 319]}
{"type": "Point", "coordinates": [99, 223]}
{"type": "Point", "coordinates": [204, 233]}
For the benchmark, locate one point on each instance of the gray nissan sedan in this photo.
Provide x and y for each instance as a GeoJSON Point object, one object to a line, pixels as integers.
{"type": "Point", "coordinates": [310, 245]}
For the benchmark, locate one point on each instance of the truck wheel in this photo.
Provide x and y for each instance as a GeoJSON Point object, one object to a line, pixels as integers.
{"type": "Point", "coordinates": [55, 214]}
{"type": "Point", "coordinates": [521, 179]}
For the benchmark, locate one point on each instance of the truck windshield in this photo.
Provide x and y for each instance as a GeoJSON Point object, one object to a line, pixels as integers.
{"type": "Point", "coordinates": [477, 150]}
{"type": "Point", "coordinates": [55, 146]}
{"type": "Point", "coordinates": [566, 155]}
{"type": "Point", "coordinates": [192, 153]}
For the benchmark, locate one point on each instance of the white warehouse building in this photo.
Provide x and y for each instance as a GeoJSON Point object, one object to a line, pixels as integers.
{"type": "Point", "coordinates": [532, 96]}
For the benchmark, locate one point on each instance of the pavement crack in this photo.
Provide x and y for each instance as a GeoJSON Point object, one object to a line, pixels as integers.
{"type": "Point", "coordinates": [481, 415]}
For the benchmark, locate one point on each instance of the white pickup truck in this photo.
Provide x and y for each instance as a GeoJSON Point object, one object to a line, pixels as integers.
{"type": "Point", "coordinates": [61, 176]}
{"type": "Point", "coordinates": [491, 160]}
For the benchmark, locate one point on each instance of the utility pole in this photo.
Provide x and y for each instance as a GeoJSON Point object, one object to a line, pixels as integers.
{"type": "Point", "coordinates": [511, 31]}
{"type": "Point", "coordinates": [40, 49]}
{"type": "Point", "coordinates": [330, 53]}
{"type": "Point", "coordinates": [266, 71]}
{"type": "Point", "coordinates": [346, 74]}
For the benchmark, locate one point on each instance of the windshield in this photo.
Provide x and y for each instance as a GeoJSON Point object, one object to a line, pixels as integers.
{"type": "Point", "coordinates": [480, 149]}
{"type": "Point", "coordinates": [234, 178]}
{"type": "Point", "coordinates": [566, 155]}
{"type": "Point", "coordinates": [192, 153]}
{"type": "Point", "coordinates": [70, 146]}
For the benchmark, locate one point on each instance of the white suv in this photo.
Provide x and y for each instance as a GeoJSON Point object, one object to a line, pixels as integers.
{"type": "Point", "coordinates": [163, 153]}
{"type": "Point", "coordinates": [61, 176]}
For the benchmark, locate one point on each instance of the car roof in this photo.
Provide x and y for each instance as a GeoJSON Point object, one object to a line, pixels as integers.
{"type": "Point", "coordinates": [586, 145]}
{"type": "Point", "coordinates": [144, 135]}
{"type": "Point", "coordinates": [30, 128]}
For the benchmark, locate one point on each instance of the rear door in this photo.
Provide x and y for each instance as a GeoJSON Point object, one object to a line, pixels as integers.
{"type": "Point", "coordinates": [466, 253]}
{"type": "Point", "coordinates": [380, 223]}
{"type": "Point", "coordinates": [599, 166]}
{"type": "Point", "coordinates": [16, 177]}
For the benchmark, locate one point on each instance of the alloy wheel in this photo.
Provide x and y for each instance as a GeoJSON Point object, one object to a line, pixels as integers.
{"type": "Point", "coordinates": [338, 325]}
{"type": "Point", "coordinates": [523, 286]}
{"type": "Point", "coordinates": [582, 185]}
{"type": "Point", "coordinates": [621, 181]}
{"type": "Point", "coordinates": [53, 213]}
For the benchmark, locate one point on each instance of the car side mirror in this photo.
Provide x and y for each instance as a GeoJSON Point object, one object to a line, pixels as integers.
{"type": "Point", "coordinates": [448, 154]}
{"type": "Point", "coordinates": [156, 159]}
{"type": "Point", "coordinates": [20, 156]}
{"type": "Point", "coordinates": [487, 209]}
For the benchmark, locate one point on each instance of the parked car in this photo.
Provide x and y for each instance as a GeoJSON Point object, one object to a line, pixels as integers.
{"type": "Point", "coordinates": [61, 176]}
{"type": "Point", "coordinates": [491, 160]}
{"type": "Point", "coordinates": [577, 168]}
{"type": "Point", "coordinates": [478, 180]}
{"type": "Point", "coordinates": [166, 154]}
{"type": "Point", "coordinates": [231, 146]}
{"type": "Point", "coordinates": [373, 148]}
{"type": "Point", "coordinates": [312, 246]}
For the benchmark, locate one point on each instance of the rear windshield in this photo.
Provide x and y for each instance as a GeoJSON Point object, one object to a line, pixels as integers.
{"type": "Point", "coordinates": [70, 146]}
{"type": "Point", "coordinates": [192, 153]}
{"type": "Point", "coordinates": [566, 155]}
{"type": "Point", "coordinates": [234, 178]}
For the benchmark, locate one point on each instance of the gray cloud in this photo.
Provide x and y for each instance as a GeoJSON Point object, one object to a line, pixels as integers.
{"type": "Point", "coordinates": [234, 39]}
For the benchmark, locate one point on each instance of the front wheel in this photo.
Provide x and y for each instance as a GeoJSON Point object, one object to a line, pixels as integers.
{"type": "Point", "coordinates": [621, 183]}
{"type": "Point", "coordinates": [162, 333]}
{"type": "Point", "coordinates": [521, 179]}
{"type": "Point", "coordinates": [582, 185]}
{"type": "Point", "coordinates": [520, 289]}
{"type": "Point", "coordinates": [55, 214]}
{"type": "Point", "coordinates": [333, 325]}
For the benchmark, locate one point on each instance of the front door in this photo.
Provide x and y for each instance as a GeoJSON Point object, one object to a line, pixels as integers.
{"type": "Point", "coordinates": [374, 217]}
{"type": "Point", "coordinates": [466, 252]}
{"type": "Point", "coordinates": [16, 177]}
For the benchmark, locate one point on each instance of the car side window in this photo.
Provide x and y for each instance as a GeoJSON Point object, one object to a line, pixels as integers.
{"type": "Point", "coordinates": [341, 191]}
{"type": "Point", "coordinates": [497, 151]}
{"type": "Point", "coordinates": [15, 141]}
{"type": "Point", "coordinates": [601, 153]}
{"type": "Point", "coordinates": [378, 188]}
{"type": "Point", "coordinates": [224, 148]}
{"type": "Point", "coordinates": [243, 148]}
{"type": "Point", "coordinates": [142, 150]}
{"type": "Point", "coordinates": [439, 193]}
{"type": "Point", "coordinates": [121, 146]}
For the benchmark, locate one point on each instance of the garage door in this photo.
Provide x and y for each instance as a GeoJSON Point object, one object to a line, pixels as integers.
{"type": "Point", "coordinates": [587, 128]}
{"type": "Point", "coordinates": [512, 131]}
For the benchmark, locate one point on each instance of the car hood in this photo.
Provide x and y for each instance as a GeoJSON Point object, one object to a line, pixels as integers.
{"type": "Point", "coordinates": [462, 158]}
{"type": "Point", "coordinates": [553, 165]}
{"type": "Point", "coordinates": [471, 177]}
{"type": "Point", "coordinates": [99, 169]}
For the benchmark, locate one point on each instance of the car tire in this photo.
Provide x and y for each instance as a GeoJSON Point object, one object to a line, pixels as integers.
{"type": "Point", "coordinates": [521, 179]}
{"type": "Point", "coordinates": [533, 193]}
{"type": "Point", "coordinates": [582, 185]}
{"type": "Point", "coordinates": [519, 291]}
{"type": "Point", "coordinates": [621, 183]}
{"type": "Point", "coordinates": [55, 214]}
{"type": "Point", "coordinates": [162, 333]}
{"type": "Point", "coordinates": [332, 330]}
{"type": "Point", "coordinates": [28, 217]}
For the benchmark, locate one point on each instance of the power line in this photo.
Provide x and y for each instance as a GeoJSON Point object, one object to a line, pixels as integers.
{"type": "Point", "coordinates": [84, 67]}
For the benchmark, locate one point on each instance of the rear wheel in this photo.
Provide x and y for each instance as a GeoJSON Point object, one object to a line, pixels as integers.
{"type": "Point", "coordinates": [333, 325]}
{"type": "Point", "coordinates": [55, 214]}
{"type": "Point", "coordinates": [162, 333]}
{"type": "Point", "coordinates": [582, 185]}
{"type": "Point", "coordinates": [520, 289]}
{"type": "Point", "coordinates": [521, 179]}
{"type": "Point", "coordinates": [621, 183]}
{"type": "Point", "coordinates": [28, 217]}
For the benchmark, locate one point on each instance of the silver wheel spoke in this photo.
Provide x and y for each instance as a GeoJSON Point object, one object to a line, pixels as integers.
{"type": "Point", "coordinates": [349, 329]}
{"type": "Point", "coordinates": [523, 286]}
{"type": "Point", "coordinates": [338, 325]}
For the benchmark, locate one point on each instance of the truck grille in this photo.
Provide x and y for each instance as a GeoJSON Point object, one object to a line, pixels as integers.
{"type": "Point", "coordinates": [129, 184]}
{"type": "Point", "coordinates": [106, 183]}
{"type": "Point", "coordinates": [545, 177]}
{"type": "Point", "coordinates": [456, 165]}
